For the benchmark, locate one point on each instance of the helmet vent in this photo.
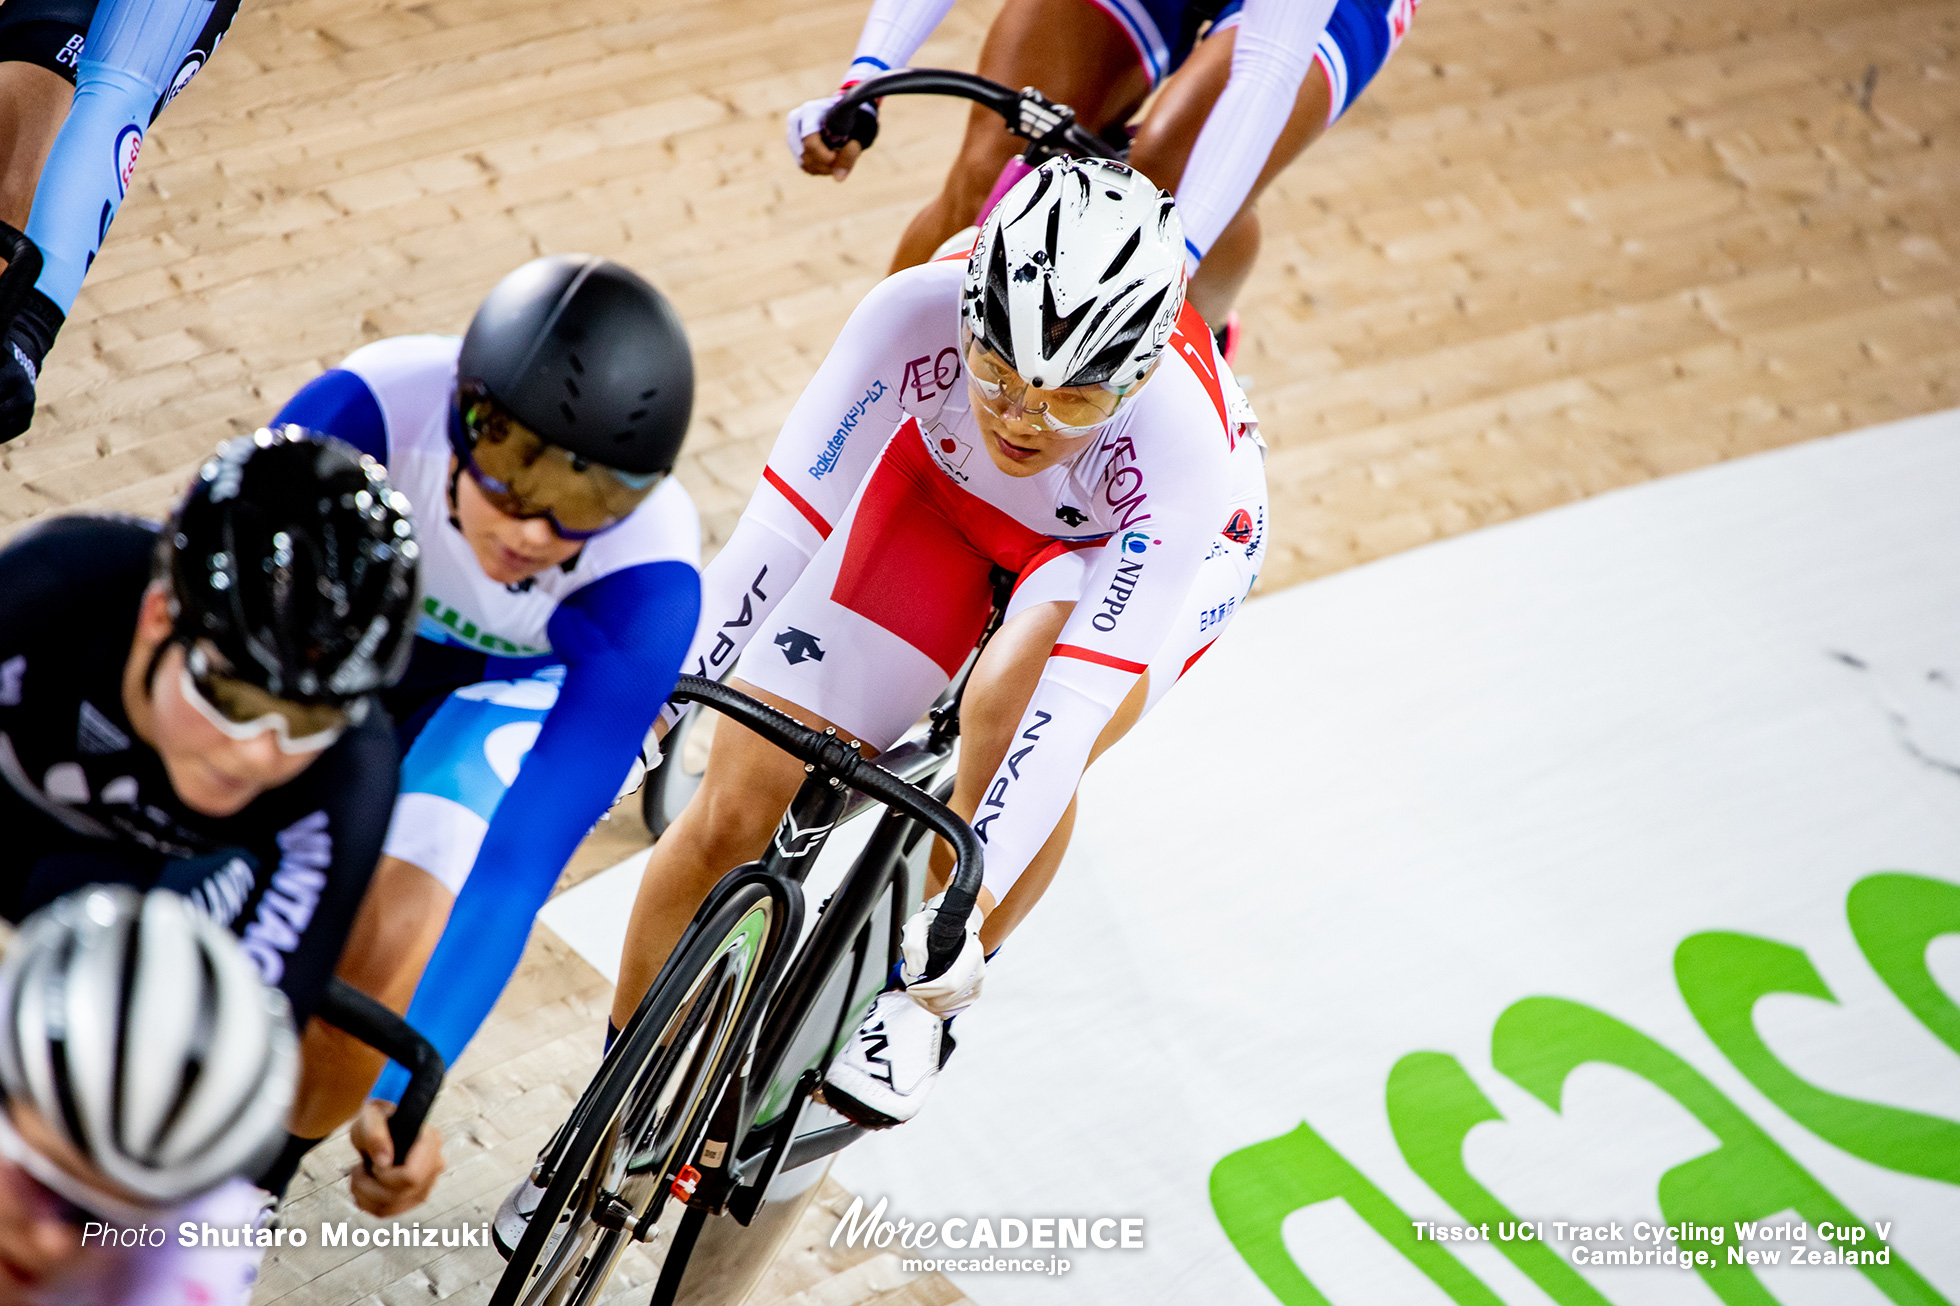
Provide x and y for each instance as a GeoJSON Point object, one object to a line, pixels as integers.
{"type": "Point", "coordinates": [999, 337]}
{"type": "Point", "coordinates": [572, 386]}
{"type": "Point", "coordinates": [576, 365]}
{"type": "Point", "coordinates": [1121, 345]}
{"type": "Point", "coordinates": [569, 415]}
{"type": "Point", "coordinates": [1046, 179]}
{"type": "Point", "coordinates": [1055, 329]}
{"type": "Point", "coordinates": [636, 414]}
{"type": "Point", "coordinates": [648, 394]}
{"type": "Point", "coordinates": [1122, 255]}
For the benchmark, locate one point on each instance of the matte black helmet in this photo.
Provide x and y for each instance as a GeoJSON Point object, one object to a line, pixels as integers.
{"type": "Point", "coordinates": [294, 556]}
{"type": "Point", "coordinates": [590, 357]}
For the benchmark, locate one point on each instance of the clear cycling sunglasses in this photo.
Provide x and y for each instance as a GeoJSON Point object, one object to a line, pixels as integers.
{"type": "Point", "coordinates": [241, 710]}
{"type": "Point", "coordinates": [1070, 411]}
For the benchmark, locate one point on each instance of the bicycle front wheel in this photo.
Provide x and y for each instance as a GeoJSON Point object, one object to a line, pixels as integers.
{"type": "Point", "coordinates": [641, 1115]}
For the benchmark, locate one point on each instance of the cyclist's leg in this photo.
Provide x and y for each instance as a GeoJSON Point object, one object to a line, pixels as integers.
{"type": "Point", "coordinates": [747, 787]}
{"type": "Point", "coordinates": [131, 56]}
{"type": "Point", "coordinates": [1359, 38]}
{"type": "Point", "coordinates": [40, 42]}
{"type": "Point", "coordinates": [33, 102]}
{"type": "Point", "coordinates": [1076, 54]}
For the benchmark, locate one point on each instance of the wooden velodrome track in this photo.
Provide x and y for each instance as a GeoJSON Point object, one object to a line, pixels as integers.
{"type": "Point", "coordinates": [1560, 246]}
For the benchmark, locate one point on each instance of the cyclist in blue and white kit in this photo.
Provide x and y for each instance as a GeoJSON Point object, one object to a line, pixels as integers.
{"type": "Point", "coordinates": [561, 590]}
{"type": "Point", "coordinates": [125, 60]}
{"type": "Point", "coordinates": [1236, 103]}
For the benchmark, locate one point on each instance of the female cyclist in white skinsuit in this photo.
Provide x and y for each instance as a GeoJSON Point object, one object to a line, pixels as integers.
{"type": "Point", "coordinates": [1048, 405]}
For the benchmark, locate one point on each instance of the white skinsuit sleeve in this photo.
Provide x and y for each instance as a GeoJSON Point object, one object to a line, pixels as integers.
{"type": "Point", "coordinates": [893, 32]}
{"type": "Point", "coordinates": [1272, 51]}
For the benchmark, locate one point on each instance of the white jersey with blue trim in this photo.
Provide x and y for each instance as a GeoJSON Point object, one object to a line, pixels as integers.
{"type": "Point", "coordinates": [413, 378]}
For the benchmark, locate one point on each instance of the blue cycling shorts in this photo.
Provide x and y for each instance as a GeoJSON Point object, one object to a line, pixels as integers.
{"type": "Point", "coordinates": [1360, 36]}
{"type": "Point", "coordinates": [460, 764]}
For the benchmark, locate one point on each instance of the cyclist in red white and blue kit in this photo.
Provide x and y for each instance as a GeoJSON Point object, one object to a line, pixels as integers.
{"type": "Point", "coordinates": [560, 591]}
{"type": "Point", "coordinates": [1242, 87]}
{"type": "Point", "coordinates": [1052, 406]}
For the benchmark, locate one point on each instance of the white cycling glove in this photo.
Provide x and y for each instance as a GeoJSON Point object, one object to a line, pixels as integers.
{"type": "Point", "coordinates": [806, 119]}
{"type": "Point", "coordinates": [957, 989]}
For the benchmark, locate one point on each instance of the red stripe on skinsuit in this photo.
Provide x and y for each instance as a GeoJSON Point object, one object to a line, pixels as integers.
{"type": "Point", "coordinates": [1194, 343]}
{"type": "Point", "coordinates": [797, 501]}
{"type": "Point", "coordinates": [1100, 659]}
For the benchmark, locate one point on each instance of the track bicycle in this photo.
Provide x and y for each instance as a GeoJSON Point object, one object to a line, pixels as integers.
{"type": "Point", "coordinates": [709, 1096]}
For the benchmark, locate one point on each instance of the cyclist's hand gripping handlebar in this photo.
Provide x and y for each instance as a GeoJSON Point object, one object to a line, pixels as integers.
{"type": "Point", "coordinates": [1051, 128]}
{"type": "Point", "coordinates": [347, 1008]}
{"type": "Point", "coordinates": [838, 757]}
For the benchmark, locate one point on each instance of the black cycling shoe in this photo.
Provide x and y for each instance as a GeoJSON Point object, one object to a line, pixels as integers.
{"type": "Point", "coordinates": [27, 343]}
{"type": "Point", "coordinates": [17, 376]}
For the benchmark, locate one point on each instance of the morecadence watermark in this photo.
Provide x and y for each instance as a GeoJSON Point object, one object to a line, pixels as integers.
{"type": "Point", "coordinates": [861, 1228]}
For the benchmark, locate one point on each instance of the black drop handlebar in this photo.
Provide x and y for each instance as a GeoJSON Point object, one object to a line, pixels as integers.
{"type": "Point", "coordinates": [347, 1008]}
{"type": "Point", "coordinates": [838, 757]}
{"type": "Point", "coordinates": [1050, 128]}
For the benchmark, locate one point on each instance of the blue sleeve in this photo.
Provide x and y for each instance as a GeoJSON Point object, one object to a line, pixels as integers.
{"type": "Point", "coordinates": [622, 638]}
{"type": "Point", "coordinates": [339, 403]}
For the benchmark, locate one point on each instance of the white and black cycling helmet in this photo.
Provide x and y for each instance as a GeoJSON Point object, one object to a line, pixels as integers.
{"type": "Point", "coordinates": [142, 1034]}
{"type": "Point", "coordinates": [1078, 275]}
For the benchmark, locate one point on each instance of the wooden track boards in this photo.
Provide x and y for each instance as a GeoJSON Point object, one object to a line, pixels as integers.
{"type": "Point", "coordinates": [1562, 245]}
{"type": "Point", "coordinates": [1559, 246]}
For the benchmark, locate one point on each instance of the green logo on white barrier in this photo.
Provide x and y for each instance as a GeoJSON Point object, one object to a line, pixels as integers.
{"type": "Point", "coordinates": [1433, 1104]}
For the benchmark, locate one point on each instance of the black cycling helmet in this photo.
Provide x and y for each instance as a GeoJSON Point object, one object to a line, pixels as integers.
{"type": "Point", "coordinates": [295, 557]}
{"type": "Point", "coordinates": [590, 357]}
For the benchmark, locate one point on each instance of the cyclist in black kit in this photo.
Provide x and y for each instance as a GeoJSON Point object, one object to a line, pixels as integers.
{"type": "Point", "coordinates": [195, 709]}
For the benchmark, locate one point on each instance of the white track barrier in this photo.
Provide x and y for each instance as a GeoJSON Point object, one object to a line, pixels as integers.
{"type": "Point", "coordinates": [1527, 762]}
{"type": "Point", "coordinates": [1530, 761]}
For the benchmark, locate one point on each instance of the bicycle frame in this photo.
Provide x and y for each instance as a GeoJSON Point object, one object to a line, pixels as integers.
{"type": "Point", "coordinates": [738, 1150]}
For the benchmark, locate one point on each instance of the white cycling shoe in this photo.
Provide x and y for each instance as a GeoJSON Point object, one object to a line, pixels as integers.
{"type": "Point", "coordinates": [882, 1076]}
{"type": "Point", "coordinates": [514, 1216]}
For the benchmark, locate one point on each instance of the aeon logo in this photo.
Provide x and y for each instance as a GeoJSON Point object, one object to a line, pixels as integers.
{"type": "Point", "coordinates": [129, 144]}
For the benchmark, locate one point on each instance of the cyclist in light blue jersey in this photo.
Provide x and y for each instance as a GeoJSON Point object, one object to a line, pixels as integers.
{"type": "Point", "coordinates": [561, 590]}
{"type": "Point", "coordinates": [126, 60]}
